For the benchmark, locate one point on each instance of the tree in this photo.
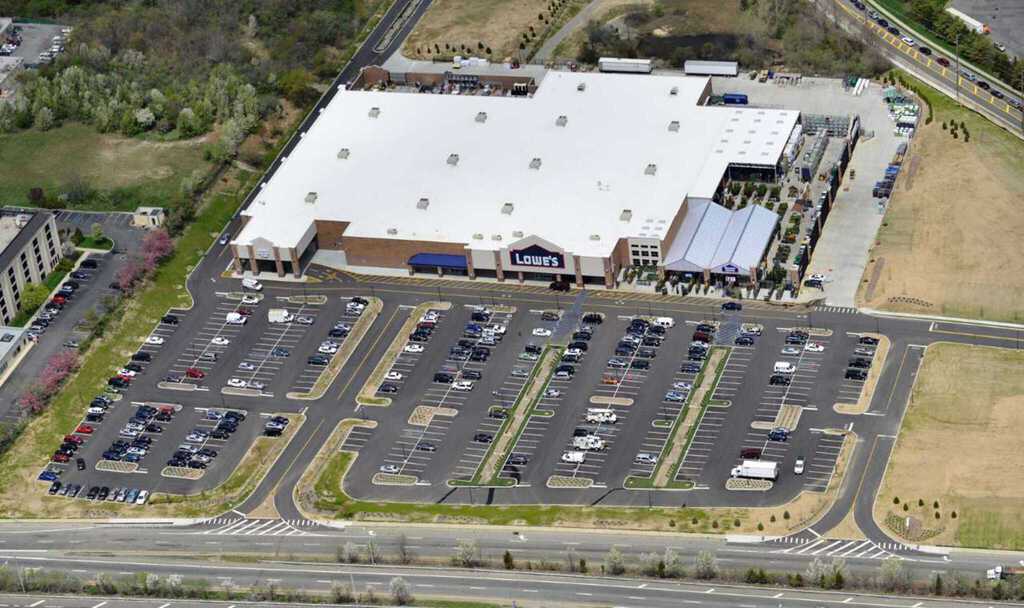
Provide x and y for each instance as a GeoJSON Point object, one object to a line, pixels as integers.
{"type": "Point", "coordinates": [893, 576]}
{"type": "Point", "coordinates": [508, 560]}
{"type": "Point", "coordinates": [145, 118]}
{"type": "Point", "coordinates": [44, 119]}
{"type": "Point", "coordinates": [400, 592]}
{"type": "Point", "coordinates": [614, 563]}
{"type": "Point", "coordinates": [157, 245]}
{"type": "Point", "coordinates": [296, 85]}
{"type": "Point", "coordinates": [33, 296]}
{"type": "Point", "coordinates": [404, 554]}
{"type": "Point", "coordinates": [673, 564]}
{"type": "Point", "coordinates": [705, 566]}
{"type": "Point", "coordinates": [96, 231]}
{"type": "Point", "coordinates": [467, 554]}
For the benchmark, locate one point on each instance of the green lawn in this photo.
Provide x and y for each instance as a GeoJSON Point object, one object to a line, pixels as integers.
{"type": "Point", "coordinates": [94, 243]}
{"type": "Point", "coordinates": [141, 171]}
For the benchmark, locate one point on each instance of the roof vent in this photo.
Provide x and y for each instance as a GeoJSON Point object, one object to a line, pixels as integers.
{"type": "Point", "coordinates": [562, 120]}
{"type": "Point", "coordinates": [581, 87]}
{"type": "Point", "coordinates": [481, 116]}
{"type": "Point", "coordinates": [478, 236]}
{"type": "Point", "coordinates": [392, 231]}
{"type": "Point", "coordinates": [374, 112]}
{"type": "Point", "coordinates": [651, 169]}
{"type": "Point", "coordinates": [343, 153]}
{"type": "Point", "coordinates": [673, 91]}
{"type": "Point", "coordinates": [495, 237]}
{"type": "Point", "coordinates": [517, 233]}
{"type": "Point", "coordinates": [453, 159]}
{"type": "Point", "coordinates": [673, 126]}
{"type": "Point", "coordinates": [595, 237]}
{"type": "Point", "coordinates": [535, 163]}
{"type": "Point", "coordinates": [507, 208]}
{"type": "Point", "coordinates": [311, 198]}
{"type": "Point", "coordinates": [423, 203]}
{"type": "Point", "coordinates": [626, 215]}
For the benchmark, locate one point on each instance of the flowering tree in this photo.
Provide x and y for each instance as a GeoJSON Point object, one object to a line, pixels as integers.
{"type": "Point", "coordinates": [156, 246]}
{"type": "Point", "coordinates": [32, 401]}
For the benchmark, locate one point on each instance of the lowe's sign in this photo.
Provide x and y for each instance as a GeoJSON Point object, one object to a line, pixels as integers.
{"type": "Point", "coordinates": [536, 256]}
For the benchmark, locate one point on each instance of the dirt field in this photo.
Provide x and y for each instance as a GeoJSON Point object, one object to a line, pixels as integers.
{"type": "Point", "coordinates": [967, 401]}
{"type": "Point", "coordinates": [498, 24]}
{"type": "Point", "coordinates": [950, 238]}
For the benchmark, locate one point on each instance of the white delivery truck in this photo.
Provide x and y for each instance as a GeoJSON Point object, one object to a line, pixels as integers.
{"type": "Point", "coordinates": [632, 66]}
{"type": "Point", "coordinates": [279, 315]}
{"type": "Point", "coordinates": [233, 318]}
{"type": "Point", "coordinates": [252, 284]}
{"type": "Point", "coordinates": [591, 443]}
{"type": "Point", "coordinates": [601, 415]}
{"type": "Point", "coordinates": [784, 367]}
{"type": "Point", "coordinates": [757, 469]}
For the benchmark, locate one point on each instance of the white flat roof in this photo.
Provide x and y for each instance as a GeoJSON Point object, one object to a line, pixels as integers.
{"type": "Point", "coordinates": [590, 170]}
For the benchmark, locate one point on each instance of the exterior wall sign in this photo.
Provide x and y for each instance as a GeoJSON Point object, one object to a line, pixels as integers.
{"type": "Point", "coordinates": [730, 269]}
{"type": "Point", "coordinates": [536, 256]}
{"type": "Point", "coordinates": [264, 254]}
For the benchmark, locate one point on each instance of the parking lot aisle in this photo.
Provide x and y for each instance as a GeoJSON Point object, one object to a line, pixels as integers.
{"type": "Point", "coordinates": [821, 465]}
{"type": "Point", "coordinates": [358, 437]}
{"type": "Point", "coordinates": [709, 427]}
{"type": "Point", "coordinates": [736, 366]}
{"type": "Point", "coordinates": [201, 346]}
{"type": "Point", "coordinates": [310, 372]}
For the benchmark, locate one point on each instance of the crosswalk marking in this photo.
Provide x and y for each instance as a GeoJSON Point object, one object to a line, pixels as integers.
{"type": "Point", "coordinates": [847, 310]}
{"type": "Point", "coordinates": [831, 547]}
{"type": "Point", "coordinates": [240, 526]}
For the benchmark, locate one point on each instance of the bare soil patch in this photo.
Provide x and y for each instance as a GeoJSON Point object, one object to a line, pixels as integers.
{"type": "Point", "coordinates": [967, 399]}
{"type": "Point", "coordinates": [498, 24]}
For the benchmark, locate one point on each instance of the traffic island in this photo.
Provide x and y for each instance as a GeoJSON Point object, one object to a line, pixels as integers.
{"type": "Point", "coordinates": [788, 417]}
{"type": "Point", "coordinates": [177, 386]}
{"type": "Point", "coordinates": [867, 391]}
{"type": "Point", "coordinates": [821, 332]}
{"type": "Point", "coordinates": [683, 428]}
{"type": "Point", "coordinates": [561, 482]}
{"type": "Point", "coordinates": [117, 466]}
{"type": "Point", "coordinates": [748, 485]}
{"type": "Point", "coordinates": [423, 415]}
{"type": "Point", "coordinates": [340, 358]}
{"type": "Point", "coordinates": [607, 400]}
{"type": "Point", "coordinates": [182, 473]}
{"type": "Point", "coordinates": [242, 392]}
{"type": "Point", "coordinates": [391, 479]}
{"type": "Point", "coordinates": [316, 300]}
{"type": "Point", "coordinates": [506, 437]}
{"type": "Point", "coordinates": [238, 296]}
{"type": "Point", "coordinates": [322, 479]}
{"type": "Point", "coordinates": [368, 394]}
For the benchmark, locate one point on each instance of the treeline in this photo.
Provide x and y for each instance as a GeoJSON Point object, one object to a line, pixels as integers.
{"type": "Point", "coordinates": [976, 48]}
{"type": "Point", "coordinates": [178, 67]}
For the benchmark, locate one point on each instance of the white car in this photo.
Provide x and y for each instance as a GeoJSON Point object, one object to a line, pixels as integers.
{"type": "Point", "coordinates": [542, 332]}
{"type": "Point", "coordinates": [155, 340]}
{"type": "Point", "coordinates": [413, 348]}
{"type": "Point", "coordinates": [908, 41]}
{"type": "Point", "coordinates": [498, 329]}
{"type": "Point", "coordinates": [791, 351]}
{"type": "Point", "coordinates": [245, 365]}
{"type": "Point", "coordinates": [798, 467]}
{"type": "Point", "coordinates": [389, 468]}
{"type": "Point", "coordinates": [645, 458]}
{"type": "Point", "coordinates": [304, 320]}
{"type": "Point", "coordinates": [682, 386]}
{"type": "Point", "coordinates": [817, 277]}
{"type": "Point", "coordinates": [255, 384]}
{"type": "Point", "coordinates": [529, 356]}
{"type": "Point", "coordinates": [127, 372]}
{"type": "Point", "coordinates": [220, 341]}
{"type": "Point", "coordinates": [462, 385]}
{"type": "Point", "coordinates": [142, 497]}
{"type": "Point", "coordinates": [552, 392]}
{"type": "Point", "coordinates": [814, 347]}
{"type": "Point", "coordinates": [236, 382]}
{"type": "Point", "coordinates": [327, 350]}
{"type": "Point", "coordinates": [393, 376]}
{"type": "Point", "coordinates": [250, 299]}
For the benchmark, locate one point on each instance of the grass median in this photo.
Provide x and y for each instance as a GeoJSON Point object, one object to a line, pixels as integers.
{"type": "Point", "coordinates": [20, 465]}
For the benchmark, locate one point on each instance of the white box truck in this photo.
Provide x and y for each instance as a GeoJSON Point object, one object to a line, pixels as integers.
{"type": "Point", "coordinates": [252, 284]}
{"type": "Point", "coordinates": [632, 66]}
{"type": "Point", "coordinates": [279, 315]}
{"type": "Point", "coordinates": [234, 318]}
{"type": "Point", "coordinates": [757, 469]}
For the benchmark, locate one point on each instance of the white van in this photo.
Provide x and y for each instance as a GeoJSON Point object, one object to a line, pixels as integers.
{"type": "Point", "coordinates": [252, 284]}
{"type": "Point", "coordinates": [784, 367]}
{"type": "Point", "coordinates": [234, 318]}
{"type": "Point", "coordinates": [574, 457]}
{"type": "Point", "coordinates": [666, 322]}
{"type": "Point", "coordinates": [602, 418]}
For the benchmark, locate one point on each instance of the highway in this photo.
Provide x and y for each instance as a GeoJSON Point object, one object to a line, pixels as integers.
{"type": "Point", "coordinates": [925, 67]}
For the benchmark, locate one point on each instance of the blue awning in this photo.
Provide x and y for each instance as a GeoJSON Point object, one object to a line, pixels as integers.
{"type": "Point", "coordinates": [438, 260]}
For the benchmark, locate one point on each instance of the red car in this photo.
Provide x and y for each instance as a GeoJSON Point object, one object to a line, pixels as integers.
{"type": "Point", "coordinates": [74, 439]}
{"type": "Point", "coordinates": [59, 300]}
{"type": "Point", "coordinates": [85, 429]}
{"type": "Point", "coordinates": [245, 312]}
{"type": "Point", "coordinates": [59, 457]}
{"type": "Point", "coordinates": [943, 62]}
{"type": "Point", "coordinates": [195, 372]}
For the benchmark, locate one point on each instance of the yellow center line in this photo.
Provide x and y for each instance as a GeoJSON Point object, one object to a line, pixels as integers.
{"type": "Point", "coordinates": [369, 351]}
{"type": "Point", "coordinates": [973, 335]}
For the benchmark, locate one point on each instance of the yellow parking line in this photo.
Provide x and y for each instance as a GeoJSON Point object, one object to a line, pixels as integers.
{"type": "Point", "coordinates": [975, 89]}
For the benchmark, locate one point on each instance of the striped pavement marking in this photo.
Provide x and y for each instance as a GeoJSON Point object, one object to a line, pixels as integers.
{"type": "Point", "coordinates": [227, 526]}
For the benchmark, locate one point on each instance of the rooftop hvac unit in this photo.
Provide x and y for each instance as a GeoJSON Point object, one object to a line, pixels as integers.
{"type": "Point", "coordinates": [495, 237]}
{"type": "Point", "coordinates": [311, 198]}
{"type": "Point", "coordinates": [478, 237]}
{"type": "Point", "coordinates": [343, 153]}
{"type": "Point", "coordinates": [481, 116]}
{"type": "Point", "coordinates": [673, 91]}
{"type": "Point", "coordinates": [626, 215]}
{"type": "Point", "coordinates": [392, 231]}
{"type": "Point", "coordinates": [581, 87]}
{"type": "Point", "coordinates": [651, 169]}
{"type": "Point", "coordinates": [423, 203]}
{"type": "Point", "coordinates": [453, 159]}
{"type": "Point", "coordinates": [374, 112]}
{"type": "Point", "coordinates": [595, 237]}
{"type": "Point", "coordinates": [562, 120]}
{"type": "Point", "coordinates": [517, 233]}
{"type": "Point", "coordinates": [673, 126]}
{"type": "Point", "coordinates": [507, 208]}
{"type": "Point", "coordinates": [535, 163]}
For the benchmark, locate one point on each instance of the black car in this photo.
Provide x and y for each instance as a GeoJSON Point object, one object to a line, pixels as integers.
{"type": "Point", "coordinates": [220, 434]}
{"type": "Point", "coordinates": [533, 348]}
{"type": "Point", "coordinates": [732, 306]}
{"type": "Point", "coordinates": [54, 488]}
{"type": "Point", "coordinates": [483, 438]}
{"type": "Point", "coordinates": [318, 360]}
{"type": "Point", "coordinates": [893, 30]}
{"type": "Point", "coordinates": [593, 318]}
{"type": "Point", "coordinates": [744, 341]}
{"type": "Point", "coordinates": [418, 337]}
{"type": "Point", "coordinates": [480, 316]}
{"type": "Point", "coordinates": [984, 85]}
{"type": "Point", "coordinates": [706, 328]}
{"type": "Point", "coordinates": [640, 364]}
{"type": "Point", "coordinates": [814, 283]}
{"type": "Point", "coordinates": [861, 363]}
{"type": "Point", "coordinates": [92, 493]}
{"type": "Point", "coordinates": [651, 341]}
{"type": "Point", "coordinates": [779, 379]}
{"type": "Point", "coordinates": [89, 263]}
{"type": "Point", "coordinates": [104, 492]}
{"type": "Point", "coordinates": [115, 286]}
{"type": "Point", "coordinates": [583, 346]}
{"type": "Point", "coordinates": [868, 340]}
{"type": "Point", "coordinates": [568, 369]}
{"type": "Point", "coordinates": [657, 330]}
{"type": "Point", "coordinates": [387, 387]}
{"type": "Point", "coordinates": [135, 367]}
{"type": "Point", "coordinates": [924, 50]}
{"type": "Point", "coordinates": [444, 378]}
{"type": "Point", "coordinates": [94, 417]}
{"type": "Point", "coordinates": [498, 413]}
{"type": "Point", "coordinates": [646, 352]}
{"type": "Point", "coordinates": [80, 464]}
{"type": "Point", "coordinates": [360, 300]}
{"type": "Point", "coordinates": [81, 276]}
{"type": "Point", "coordinates": [337, 333]}
{"type": "Point", "coordinates": [793, 339]}
{"type": "Point", "coordinates": [581, 335]}
{"type": "Point", "coordinates": [559, 286]}
{"type": "Point", "coordinates": [856, 374]}
{"type": "Point", "coordinates": [689, 367]}
{"type": "Point", "coordinates": [142, 356]}
{"type": "Point", "coordinates": [518, 459]}
{"type": "Point", "coordinates": [472, 374]}
{"type": "Point", "coordinates": [169, 319]}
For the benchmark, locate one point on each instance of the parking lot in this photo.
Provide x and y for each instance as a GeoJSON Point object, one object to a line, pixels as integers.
{"type": "Point", "coordinates": [40, 42]}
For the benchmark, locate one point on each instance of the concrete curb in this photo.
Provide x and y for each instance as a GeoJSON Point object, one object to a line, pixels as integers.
{"type": "Point", "coordinates": [941, 319]}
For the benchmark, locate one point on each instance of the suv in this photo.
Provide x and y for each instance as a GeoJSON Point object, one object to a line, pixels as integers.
{"type": "Point", "coordinates": [169, 319]}
{"type": "Point", "coordinates": [856, 374]}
